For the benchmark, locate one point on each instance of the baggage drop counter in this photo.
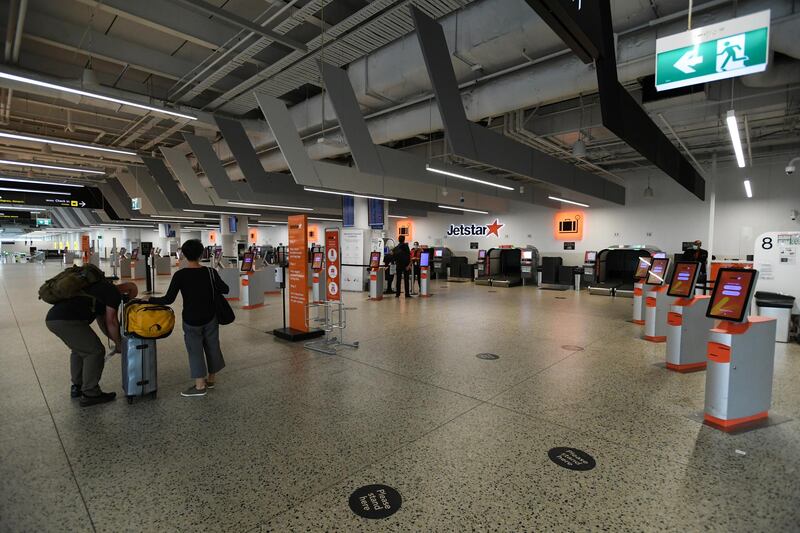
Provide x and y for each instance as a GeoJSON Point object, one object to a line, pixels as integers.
{"type": "Point", "coordinates": [615, 268]}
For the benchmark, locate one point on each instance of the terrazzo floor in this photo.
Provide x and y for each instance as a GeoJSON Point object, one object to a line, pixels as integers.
{"type": "Point", "coordinates": [289, 434]}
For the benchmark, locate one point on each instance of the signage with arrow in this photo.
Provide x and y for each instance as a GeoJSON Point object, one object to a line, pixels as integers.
{"type": "Point", "coordinates": [736, 47]}
{"type": "Point", "coordinates": [49, 195]}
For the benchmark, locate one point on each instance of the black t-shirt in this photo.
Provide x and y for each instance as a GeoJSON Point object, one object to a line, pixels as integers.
{"type": "Point", "coordinates": [80, 308]}
{"type": "Point", "coordinates": [194, 284]}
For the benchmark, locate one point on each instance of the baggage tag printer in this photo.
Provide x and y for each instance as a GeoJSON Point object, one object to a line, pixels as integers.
{"type": "Point", "coordinates": [375, 276]}
{"type": "Point", "coordinates": [687, 324]}
{"type": "Point", "coordinates": [526, 266]}
{"type": "Point", "coordinates": [657, 303]}
{"type": "Point", "coordinates": [318, 277]}
{"type": "Point", "coordinates": [741, 354]}
{"type": "Point", "coordinates": [638, 290]}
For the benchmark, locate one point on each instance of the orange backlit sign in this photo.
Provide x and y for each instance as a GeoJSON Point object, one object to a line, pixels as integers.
{"type": "Point", "coordinates": [405, 228]}
{"type": "Point", "coordinates": [568, 225]}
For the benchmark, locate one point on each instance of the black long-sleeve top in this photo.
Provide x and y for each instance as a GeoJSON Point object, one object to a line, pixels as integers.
{"type": "Point", "coordinates": [194, 284]}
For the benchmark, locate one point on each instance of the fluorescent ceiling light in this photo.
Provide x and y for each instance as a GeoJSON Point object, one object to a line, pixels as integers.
{"type": "Point", "coordinates": [221, 212]}
{"type": "Point", "coordinates": [462, 177]}
{"type": "Point", "coordinates": [309, 189]}
{"type": "Point", "coordinates": [181, 218]}
{"type": "Point", "coordinates": [464, 209]}
{"type": "Point", "coordinates": [557, 199]}
{"type": "Point", "coordinates": [321, 218]}
{"type": "Point", "coordinates": [55, 142]}
{"type": "Point", "coordinates": [11, 189]}
{"type": "Point", "coordinates": [64, 88]}
{"type": "Point", "coordinates": [15, 180]}
{"type": "Point", "coordinates": [289, 207]}
{"type": "Point", "coordinates": [50, 167]}
{"type": "Point", "coordinates": [127, 226]}
{"type": "Point", "coordinates": [261, 225]}
{"type": "Point", "coordinates": [170, 219]}
{"type": "Point", "coordinates": [14, 208]}
{"type": "Point", "coordinates": [747, 189]}
{"type": "Point", "coordinates": [733, 129]}
{"type": "Point", "coordinates": [397, 216]}
{"type": "Point", "coordinates": [273, 221]}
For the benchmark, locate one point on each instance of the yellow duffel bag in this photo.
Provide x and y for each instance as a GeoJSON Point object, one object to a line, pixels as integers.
{"type": "Point", "coordinates": [149, 321]}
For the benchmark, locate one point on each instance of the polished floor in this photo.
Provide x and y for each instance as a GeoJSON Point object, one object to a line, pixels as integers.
{"type": "Point", "coordinates": [289, 434]}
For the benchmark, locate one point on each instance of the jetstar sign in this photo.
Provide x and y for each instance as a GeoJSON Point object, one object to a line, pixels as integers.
{"type": "Point", "coordinates": [473, 230]}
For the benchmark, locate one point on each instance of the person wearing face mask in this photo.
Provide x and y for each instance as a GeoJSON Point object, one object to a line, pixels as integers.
{"type": "Point", "coordinates": [696, 253]}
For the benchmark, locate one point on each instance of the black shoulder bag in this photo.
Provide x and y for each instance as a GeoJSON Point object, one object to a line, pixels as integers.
{"type": "Point", "coordinates": [222, 309]}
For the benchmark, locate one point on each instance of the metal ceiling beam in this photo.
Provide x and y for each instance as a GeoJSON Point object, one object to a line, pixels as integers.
{"type": "Point", "coordinates": [67, 36]}
{"type": "Point", "coordinates": [244, 23]}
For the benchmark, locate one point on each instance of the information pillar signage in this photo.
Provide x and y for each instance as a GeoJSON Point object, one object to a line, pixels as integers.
{"type": "Point", "coordinates": [298, 273]}
{"type": "Point", "coordinates": [333, 264]}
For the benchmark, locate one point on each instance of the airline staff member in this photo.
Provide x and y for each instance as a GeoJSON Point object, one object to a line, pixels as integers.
{"type": "Point", "coordinates": [416, 252]}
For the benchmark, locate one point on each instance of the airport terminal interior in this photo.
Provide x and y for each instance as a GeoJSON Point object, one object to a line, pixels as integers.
{"type": "Point", "coordinates": [389, 265]}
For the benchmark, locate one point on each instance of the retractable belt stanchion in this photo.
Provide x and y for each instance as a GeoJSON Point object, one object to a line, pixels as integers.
{"type": "Point", "coordinates": [741, 355]}
{"type": "Point", "coordinates": [687, 324]}
{"type": "Point", "coordinates": [376, 276]}
{"type": "Point", "coordinates": [424, 274]}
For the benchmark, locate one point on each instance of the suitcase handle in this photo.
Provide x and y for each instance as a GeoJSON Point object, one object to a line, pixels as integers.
{"type": "Point", "coordinates": [141, 347]}
{"type": "Point", "coordinates": [143, 383]}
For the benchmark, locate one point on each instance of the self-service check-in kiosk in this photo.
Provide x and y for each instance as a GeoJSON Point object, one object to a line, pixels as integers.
{"type": "Point", "coordinates": [318, 277]}
{"type": "Point", "coordinates": [687, 324]}
{"type": "Point", "coordinates": [657, 302]}
{"type": "Point", "coordinates": [741, 354]}
{"type": "Point", "coordinates": [527, 267]}
{"type": "Point", "coordinates": [440, 262]}
{"type": "Point", "coordinates": [424, 274]}
{"type": "Point", "coordinates": [481, 267]}
{"type": "Point", "coordinates": [251, 287]}
{"type": "Point", "coordinates": [639, 276]}
{"type": "Point", "coordinates": [376, 276]}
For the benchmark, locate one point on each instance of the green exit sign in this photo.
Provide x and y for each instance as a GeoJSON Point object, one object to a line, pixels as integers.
{"type": "Point", "coordinates": [728, 49]}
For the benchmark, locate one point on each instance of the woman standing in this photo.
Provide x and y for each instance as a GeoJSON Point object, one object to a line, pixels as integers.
{"type": "Point", "coordinates": [197, 285]}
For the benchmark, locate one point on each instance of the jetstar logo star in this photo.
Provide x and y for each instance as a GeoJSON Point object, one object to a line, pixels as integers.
{"type": "Point", "coordinates": [470, 230]}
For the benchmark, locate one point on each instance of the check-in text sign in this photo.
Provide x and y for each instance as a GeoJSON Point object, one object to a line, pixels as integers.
{"type": "Point", "coordinates": [728, 49]}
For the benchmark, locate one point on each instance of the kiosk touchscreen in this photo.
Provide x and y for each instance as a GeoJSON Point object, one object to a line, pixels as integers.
{"type": "Point", "coordinates": [424, 259]}
{"type": "Point", "coordinates": [683, 279]}
{"type": "Point", "coordinates": [247, 262]}
{"type": "Point", "coordinates": [218, 254]}
{"type": "Point", "coordinates": [438, 252]}
{"type": "Point", "coordinates": [481, 255]}
{"type": "Point", "coordinates": [642, 268]}
{"type": "Point", "coordinates": [374, 260]}
{"type": "Point", "coordinates": [316, 262]}
{"type": "Point", "coordinates": [732, 291]}
{"type": "Point", "coordinates": [657, 272]}
{"type": "Point", "coordinates": [527, 255]}
{"type": "Point", "coordinates": [590, 258]}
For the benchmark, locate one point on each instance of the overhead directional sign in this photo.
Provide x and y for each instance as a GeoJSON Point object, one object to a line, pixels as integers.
{"type": "Point", "coordinates": [728, 49]}
{"type": "Point", "coordinates": [18, 193]}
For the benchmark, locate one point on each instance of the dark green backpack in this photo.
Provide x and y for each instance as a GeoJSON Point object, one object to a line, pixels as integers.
{"type": "Point", "coordinates": [70, 283]}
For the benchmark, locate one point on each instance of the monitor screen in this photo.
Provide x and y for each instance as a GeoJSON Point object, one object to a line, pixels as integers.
{"type": "Point", "coordinates": [218, 253]}
{"type": "Point", "coordinates": [316, 262]}
{"type": "Point", "coordinates": [683, 279]}
{"type": "Point", "coordinates": [589, 257]}
{"type": "Point", "coordinates": [659, 255]}
{"type": "Point", "coordinates": [247, 262]}
{"type": "Point", "coordinates": [438, 252]}
{"type": "Point", "coordinates": [657, 272]}
{"type": "Point", "coordinates": [642, 268]}
{"type": "Point", "coordinates": [527, 255]}
{"type": "Point", "coordinates": [481, 254]}
{"type": "Point", "coordinates": [424, 259]}
{"type": "Point", "coordinates": [374, 260]}
{"type": "Point", "coordinates": [732, 290]}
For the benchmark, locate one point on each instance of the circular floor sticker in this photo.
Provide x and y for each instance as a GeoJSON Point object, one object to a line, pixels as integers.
{"type": "Point", "coordinates": [488, 356]}
{"type": "Point", "coordinates": [375, 501]}
{"type": "Point", "coordinates": [572, 347]}
{"type": "Point", "coordinates": [572, 458]}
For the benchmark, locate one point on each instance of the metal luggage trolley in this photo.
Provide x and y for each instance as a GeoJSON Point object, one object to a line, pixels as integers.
{"type": "Point", "coordinates": [331, 316]}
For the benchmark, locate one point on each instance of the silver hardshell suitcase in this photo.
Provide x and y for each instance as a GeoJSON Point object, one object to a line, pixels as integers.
{"type": "Point", "coordinates": [139, 366]}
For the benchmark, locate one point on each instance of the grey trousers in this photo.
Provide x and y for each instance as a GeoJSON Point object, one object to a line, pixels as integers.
{"type": "Point", "coordinates": [88, 353]}
{"type": "Point", "coordinates": [202, 345]}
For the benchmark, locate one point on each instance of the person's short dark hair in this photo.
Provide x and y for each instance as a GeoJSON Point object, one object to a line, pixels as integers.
{"type": "Point", "coordinates": [402, 239]}
{"type": "Point", "coordinates": [416, 243]}
{"type": "Point", "coordinates": [192, 249]}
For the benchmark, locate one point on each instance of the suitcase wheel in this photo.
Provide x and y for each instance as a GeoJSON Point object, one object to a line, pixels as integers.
{"type": "Point", "coordinates": [154, 394]}
{"type": "Point", "coordinates": [130, 399]}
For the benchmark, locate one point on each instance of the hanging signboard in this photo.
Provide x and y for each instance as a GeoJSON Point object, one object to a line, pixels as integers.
{"type": "Point", "coordinates": [736, 47]}
{"type": "Point", "coordinates": [16, 192]}
{"type": "Point", "coordinates": [333, 264]}
{"type": "Point", "coordinates": [298, 273]}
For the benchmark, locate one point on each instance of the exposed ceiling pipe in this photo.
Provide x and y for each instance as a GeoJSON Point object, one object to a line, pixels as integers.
{"type": "Point", "coordinates": [23, 10]}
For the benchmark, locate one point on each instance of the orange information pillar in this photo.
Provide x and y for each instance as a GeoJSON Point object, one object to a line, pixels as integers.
{"type": "Point", "coordinates": [298, 283]}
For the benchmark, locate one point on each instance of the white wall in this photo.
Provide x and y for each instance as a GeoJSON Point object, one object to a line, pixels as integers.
{"type": "Point", "coordinates": [673, 216]}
